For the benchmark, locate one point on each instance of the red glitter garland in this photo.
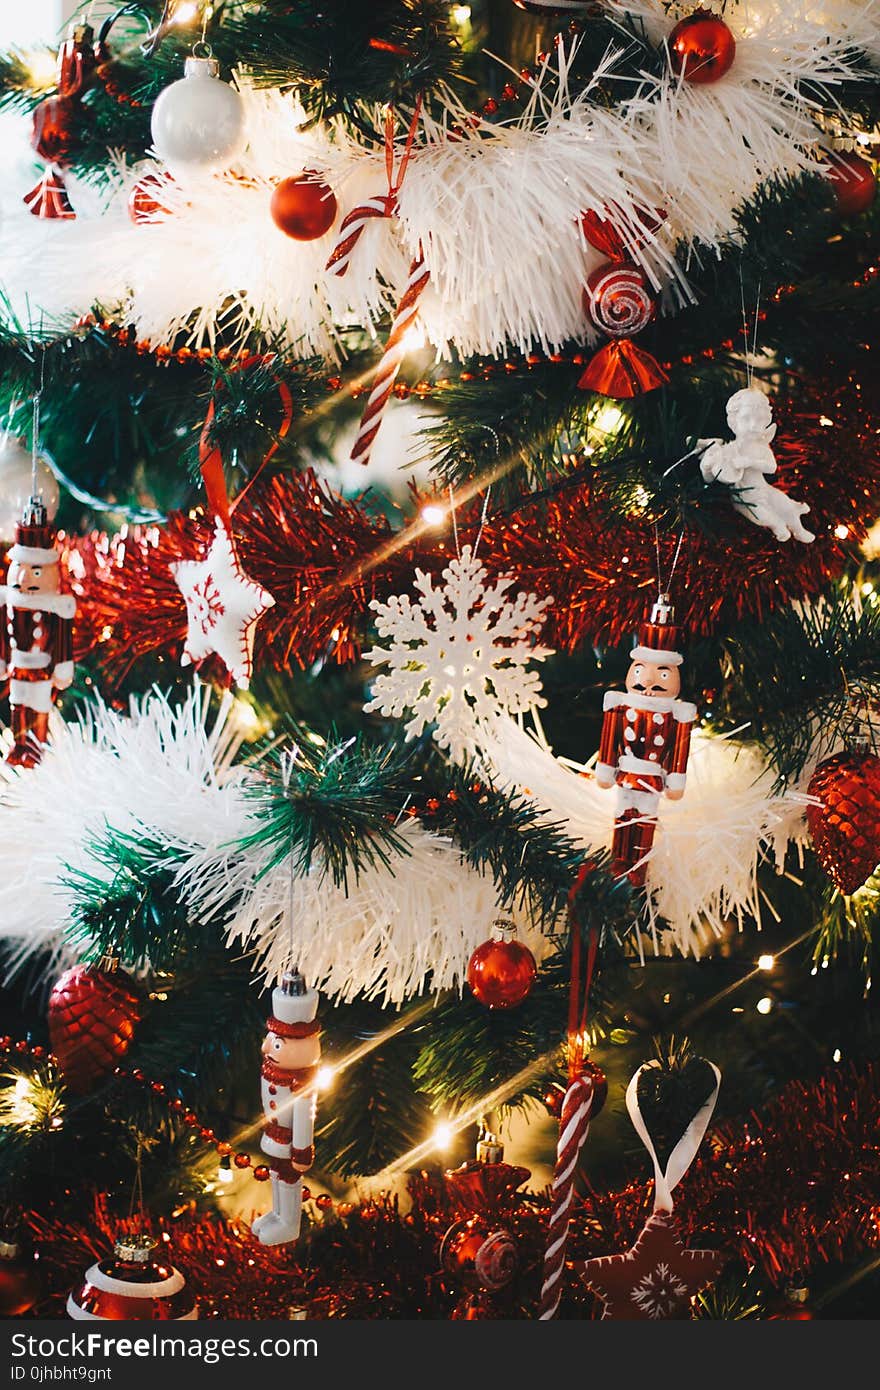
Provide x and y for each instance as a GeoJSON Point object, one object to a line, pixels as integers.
{"type": "Point", "coordinates": [787, 1191]}
{"type": "Point", "coordinates": [324, 557]}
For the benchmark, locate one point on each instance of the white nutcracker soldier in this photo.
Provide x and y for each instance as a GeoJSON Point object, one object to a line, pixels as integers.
{"type": "Point", "coordinates": [36, 633]}
{"type": "Point", "coordinates": [291, 1052]}
{"type": "Point", "coordinates": [646, 733]}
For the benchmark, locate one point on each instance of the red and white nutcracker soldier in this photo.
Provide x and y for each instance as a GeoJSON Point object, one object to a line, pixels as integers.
{"type": "Point", "coordinates": [646, 735]}
{"type": "Point", "coordinates": [36, 633]}
{"type": "Point", "coordinates": [291, 1052]}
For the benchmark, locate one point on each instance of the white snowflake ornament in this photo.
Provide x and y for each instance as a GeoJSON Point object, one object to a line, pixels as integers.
{"type": "Point", "coordinates": [459, 655]}
{"type": "Point", "coordinates": [223, 607]}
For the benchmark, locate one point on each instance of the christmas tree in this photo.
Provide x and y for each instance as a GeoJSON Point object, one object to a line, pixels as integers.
{"type": "Point", "coordinates": [439, 494]}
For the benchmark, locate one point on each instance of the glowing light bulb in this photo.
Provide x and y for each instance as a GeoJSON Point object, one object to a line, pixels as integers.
{"type": "Point", "coordinates": [433, 515]}
{"type": "Point", "coordinates": [841, 531]}
{"type": "Point", "coordinates": [836, 1055]}
{"type": "Point", "coordinates": [41, 66]}
{"type": "Point", "coordinates": [609, 419]}
{"type": "Point", "coordinates": [225, 1175]}
{"type": "Point", "coordinates": [22, 1088]}
{"type": "Point", "coordinates": [764, 1005]}
{"type": "Point", "coordinates": [186, 13]}
{"type": "Point", "coordinates": [442, 1137]}
{"type": "Point", "coordinates": [324, 1078]}
{"type": "Point", "coordinates": [766, 962]}
{"type": "Point", "coordinates": [460, 15]}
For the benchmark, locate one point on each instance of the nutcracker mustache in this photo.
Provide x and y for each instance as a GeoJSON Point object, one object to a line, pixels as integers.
{"type": "Point", "coordinates": [648, 689]}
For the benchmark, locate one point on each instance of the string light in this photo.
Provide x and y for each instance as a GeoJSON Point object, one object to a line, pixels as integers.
{"type": "Point", "coordinates": [841, 531]}
{"type": "Point", "coordinates": [442, 1136]}
{"type": "Point", "coordinates": [836, 1055]}
{"type": "Point", "coordinates": [432, 515]}
{"type": "Point", "coordinates": [764, 1005]}
{"type": "Point", "coordinates": [766, 962]}
{"type": "Point", "coordinates": [324, 1078]}
{"type": "Point", "coordinates": [185, 13]}
{"type": "Point", "coordinates": [225, 1175]}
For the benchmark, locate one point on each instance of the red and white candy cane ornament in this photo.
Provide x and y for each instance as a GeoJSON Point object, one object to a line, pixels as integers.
{"type": "Point", "coordinates": [583, 1098]}
{"type": "Point", "coordinates": [355, 222]}
{"type": "Point", "coordinates": [391, 361]}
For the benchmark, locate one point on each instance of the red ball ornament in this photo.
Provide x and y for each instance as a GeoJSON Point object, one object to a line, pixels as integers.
{"type": "Point", "coordinates": [478, 1257]}
{"type": "Point", "coordinates": [303, 207]}
{"type": "Point", "coordinates": [145, 199]}
{"type": "Point", "coordinates": [53, 131]}
{"type": "Point", "coordinates": [854, 182]}
{"type": "Point", "coordinates": [845, 826]}
{"type": "Point", "coordinates": [701, 48]}
{"type": "Point", "coordinates": [93, 1012]}
{"type": "Point", "coordinates": [618, 299]}
{"type": "Point", "coordinates": [502, 971]}
{"type": "Point", "coordinates": [134, 1285]}
{"type": "Point", "coordinates": [19, 1285]}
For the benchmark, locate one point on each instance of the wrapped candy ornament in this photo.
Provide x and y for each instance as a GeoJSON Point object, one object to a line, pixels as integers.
{"type": "Point", "coordinates": [198, 122]}
{"type": "Point", "coordinates": [478, 1251]}
{"type": "Point", "coordinates": [619, 302]}
{"type": "Point", "coordinates": [134, 1285]}
{"type": "Point", "coordinates": [645, 742]}
{"type": "Point", "coordinates": [291, 1052]}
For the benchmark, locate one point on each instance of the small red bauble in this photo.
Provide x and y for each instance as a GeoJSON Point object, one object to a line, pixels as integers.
{"type": "Point", "coordinates": [701, 48]}
{"type": "Point", "coordinates": [53, 132]}
{"type": "Point", "coordinates": [855, 183]}
{"type": "Point", "coordinates": [134, 1285]}
{"type": "Point", "coordinates": [19, 1285]}
{"type": "Point", "coordinates": [303, 207]}
{"type": "Point", "coordinates": [145, 198]}
{"type": "Point", "coordinates": [93, 1012]}
{"type": "Point", "coordinates": [502, 971]}
{"type": "Point", "coordinates": [845, 826]}
{"type": "Point", "coordinates": [477, 1256]}
{"type": "Point", "coordinates": [618, 299]}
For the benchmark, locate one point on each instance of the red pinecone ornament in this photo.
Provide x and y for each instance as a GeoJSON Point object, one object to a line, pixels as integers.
{"type": "Point", "coordinates": [93, 1012]}
{"type": "Point", "coordinates": [845, 828]}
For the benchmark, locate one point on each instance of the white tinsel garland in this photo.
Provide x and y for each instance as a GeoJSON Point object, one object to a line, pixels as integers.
{"type": "Point", "coordinates": [160, 771]}
{"type": "Point", "coordinates": [495, 210]}
{"type": "Point", "coordinates": [401, 928]}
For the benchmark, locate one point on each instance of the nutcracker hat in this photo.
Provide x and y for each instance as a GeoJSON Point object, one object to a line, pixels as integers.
{"type": "Point", "coordinates": [659, 637]}
{"type": "Point", "coordinates": [34, 537]}
{"type": "Point", "coordinates": [294, 1007]}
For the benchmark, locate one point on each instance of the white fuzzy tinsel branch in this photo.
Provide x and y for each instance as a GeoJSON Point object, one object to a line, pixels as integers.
{"type": "Point", "coordinates": [160, 770]}
{"type": "Point", "coordinates": [496, 210]}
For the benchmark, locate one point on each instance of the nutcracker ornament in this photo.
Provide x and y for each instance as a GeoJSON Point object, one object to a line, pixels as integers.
{"type": "Point", "coordinates": [291, 1052]}
{"type": "Point", "coordinates": [36, 639]}
{"type": "Point", "coordinates": [54, 133]}
{"type": "Point", "coordinates": [646, 733]}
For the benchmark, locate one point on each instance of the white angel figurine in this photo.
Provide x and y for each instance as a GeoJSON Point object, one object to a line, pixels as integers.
{"type": "Point", "coordinates": [746, 462]}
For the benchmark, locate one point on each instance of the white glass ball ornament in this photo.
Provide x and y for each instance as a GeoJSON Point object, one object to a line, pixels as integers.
{"type": "Point", "coordinates": [198, 123]}
{"type": "Point", "coordinates": [16, 484]}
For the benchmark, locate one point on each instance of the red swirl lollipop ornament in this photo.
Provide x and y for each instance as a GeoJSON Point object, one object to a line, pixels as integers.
{"type": "Point", "coordinates": [618, 301]}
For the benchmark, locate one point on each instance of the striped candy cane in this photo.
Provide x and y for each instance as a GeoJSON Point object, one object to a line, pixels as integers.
{"type": "Point", "coordinates": [390, 361]}
{"type": "Point", "coordinates": [574, 1123]}
{"type": "Point", "coordinates": [353, 226]}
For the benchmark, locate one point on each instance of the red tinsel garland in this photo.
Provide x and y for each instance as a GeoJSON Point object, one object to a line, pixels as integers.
{"type": "Point", "coordinates": [793, 1188]}
{"type": "Point", "coordinates": [324, 557]}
